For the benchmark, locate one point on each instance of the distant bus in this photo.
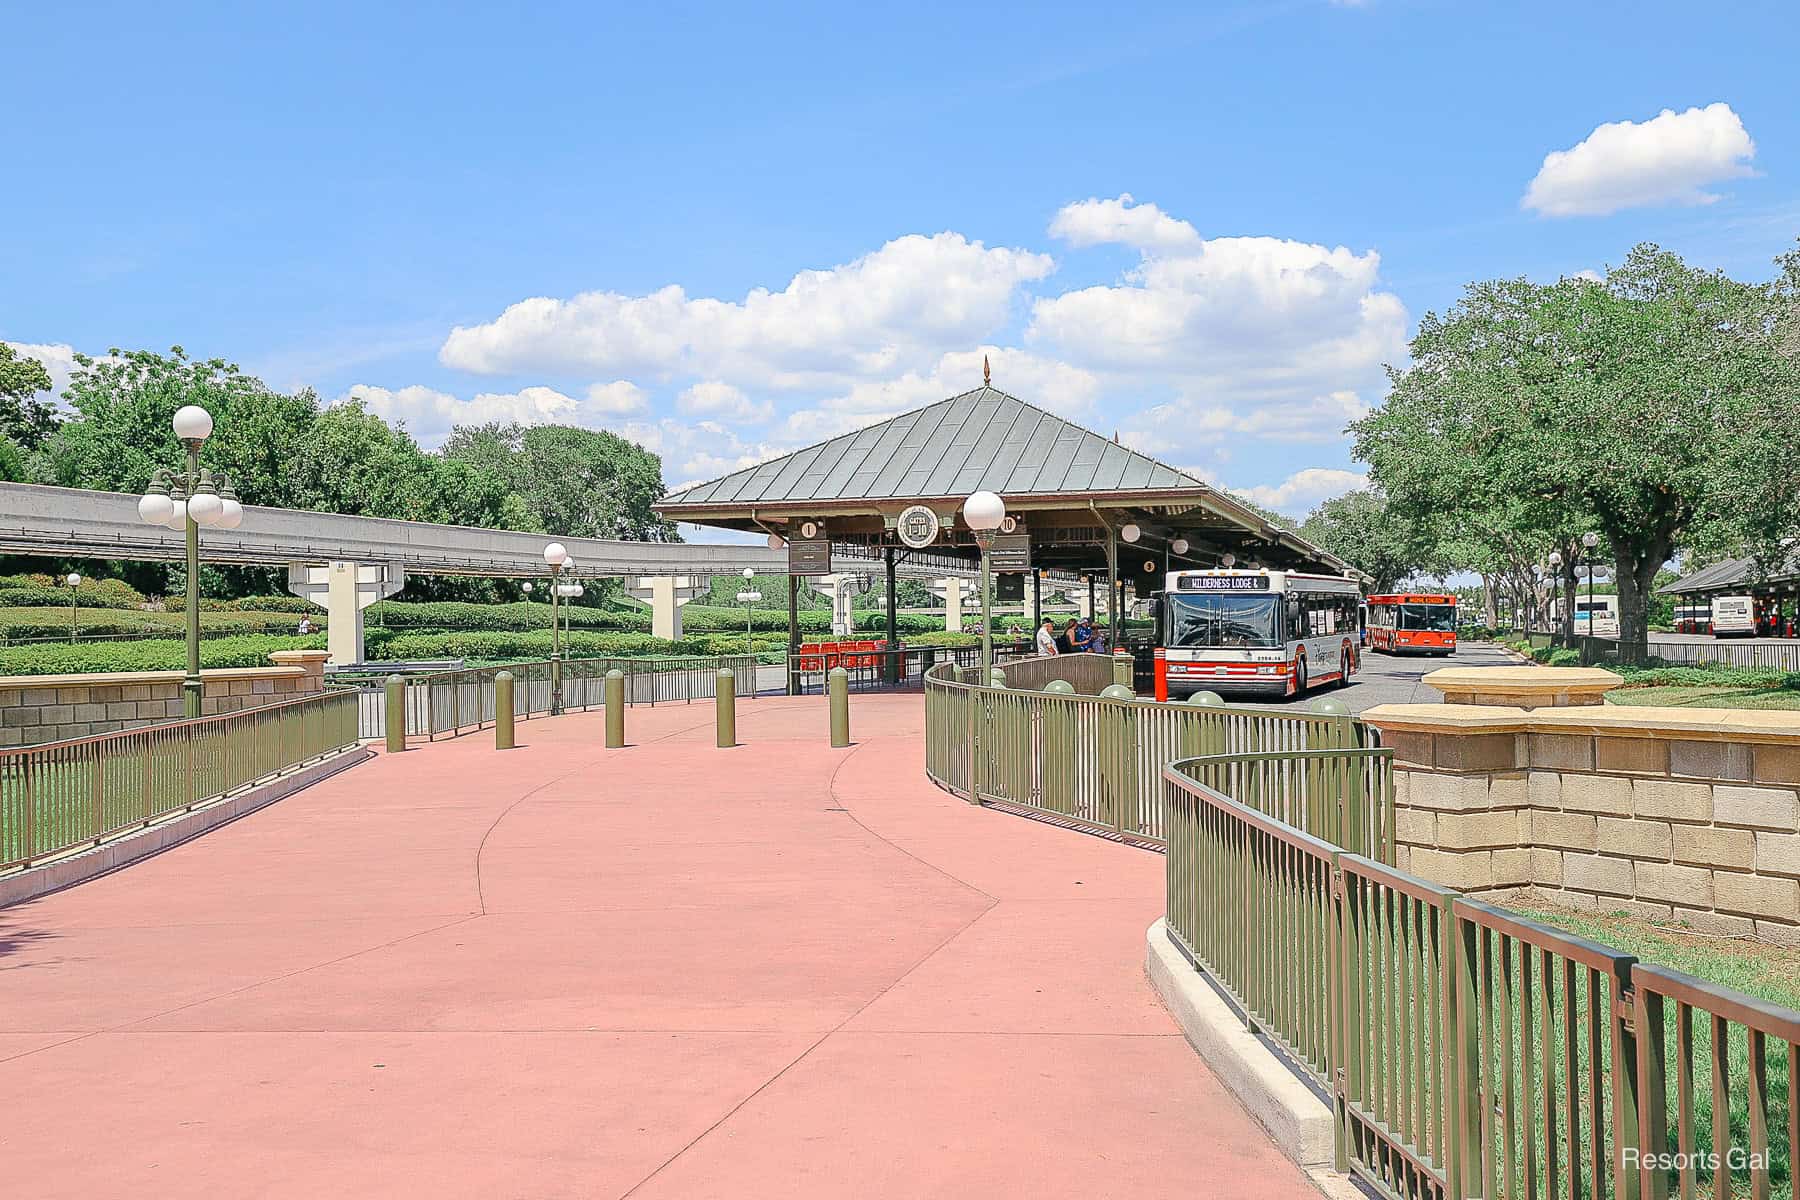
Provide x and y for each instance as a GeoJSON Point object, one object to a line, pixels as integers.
{"type": "Point", "coordinates": [1733, 616]}
{"type": "Point", "coordinates": [1693, 618]}
{"type": "Point", "coordinates": [1413, 623]}
{"type": "Point", "coordinates": [1597, 617]}
{"type": "Point", "coordinates": [1268, 632]}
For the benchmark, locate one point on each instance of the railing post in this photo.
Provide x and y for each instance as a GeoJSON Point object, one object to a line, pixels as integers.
{"type": "Point", "coordinates": [394, 713]}
{"type": "Point", "coordinates": [1625, 1095]}
{"type": "Point", "coordinates": [503, 711]}
{"type": "Point", "coordinates": [1124, 669]}
{"type": "Point", "coordinates": [1653, 1095]}
{"type": "Point", "coordinates": [725, 708]}
{"type": "Point", "coordinates": [1464, 1067]}
{"type": "Point", "coordinates": [615, 709]}
{"type": "Point", "coordinates": [840, 707]}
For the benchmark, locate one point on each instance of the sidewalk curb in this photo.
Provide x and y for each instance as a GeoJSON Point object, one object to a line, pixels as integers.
{"type": "Point", "coordinates": [128, 848]}
{"type": "Point", "coordinates": [1296, 1118]}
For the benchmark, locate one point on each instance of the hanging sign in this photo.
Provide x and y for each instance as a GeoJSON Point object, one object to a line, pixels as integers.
{"type": "Point", "coordinates": [917, 526]}
{"type": "Point", "coordinates": [809, 556]}
{"type": "Point", "coordinates": [1011, 552]}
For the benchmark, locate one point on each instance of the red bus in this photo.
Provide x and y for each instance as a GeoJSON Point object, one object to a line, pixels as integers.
{"type": "Point", "coordinates": [1413, 623]}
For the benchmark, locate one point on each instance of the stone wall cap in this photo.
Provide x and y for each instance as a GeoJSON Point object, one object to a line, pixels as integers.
{"type": "Point", "coordinates": [298, 656]}
{"type": "Point", "coordinates": [1523, 680]}
{"type": "Point", "coordinates": [1601, 720]}
{"type": "Point", "coordinates": [124, 678]}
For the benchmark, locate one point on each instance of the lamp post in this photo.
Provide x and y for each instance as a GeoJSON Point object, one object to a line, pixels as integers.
{"type": "Point", "coordinates": [556, 556]}
{"type": "Point", "coordinates": [983, 513]}
{"type": "Point", "coordinates": [185, 501]}
{"type": "Point", "coordinates": [526, 588]}
{"type": "Point", "coordinates": [1588, 542]}
{"type": "Point", "coordinates": [746, 598]}
{"type": "Point", "coordinates": [1556, 560]}
{"type": "Point", "coordinates": [74, 581]}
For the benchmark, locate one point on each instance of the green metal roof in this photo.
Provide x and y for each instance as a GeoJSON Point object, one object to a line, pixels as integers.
{"type": "Point", "coordinates": [1735, 573]}
{"type": "Point", "coordinates": [984, 439]}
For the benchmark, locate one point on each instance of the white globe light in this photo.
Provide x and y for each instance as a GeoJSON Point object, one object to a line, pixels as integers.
{"type": "Point", "coordinates": [74, 579]}
{"type": "Point", "coordinates": [1555, 558]}
{"type": "Point", "coordinates": [568, 562]}
{"type": "Point", "coordinates": [178, 515]}
{"type": "Point", "coordinates": [776, 541]}
{"type": "Point", "coordinates": [231, 515]}
{"type": "Point", "coordinates": [205, 507]}
{"type": "Point", "coordinates": [1590, 540]}
{"type": "Point", "coordinates": [1130, 533]}
{"type": "Point", "coordinates": [1227, 561]}
{"type": "Point", "coordinates": [749, 572]}
{"type": "Point", "coordinates": [192, 423]}
{"type": "Point", "coordinates": [1178, 546]}
{"type": "Point", "coordinates": [984, 510]}
{"type": "Point", "coordinates": [155, 508]}
{"type": "Point", "coordinates": [528, 588]}
{"type": "Point", "coordinates": [555, 554]}
{"type": "Point", "coordinates": [577, 590]}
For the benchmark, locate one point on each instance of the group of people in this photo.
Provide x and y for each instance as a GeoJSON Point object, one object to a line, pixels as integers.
{"type": "Point", "coordinates": [1080, 637]}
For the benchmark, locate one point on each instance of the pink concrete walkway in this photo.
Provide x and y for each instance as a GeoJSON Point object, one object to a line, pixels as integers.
{"type": "Point", "coordinates": [775, 971]}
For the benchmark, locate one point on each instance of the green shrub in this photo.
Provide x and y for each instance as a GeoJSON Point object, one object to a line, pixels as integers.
{"type": "Point", "coordinates": [1744, 677]}
{"type": "Point", "coordinates": [21, 623]}
{"type": "Point", "coordinates": [531, 646]}
{"type": "Point", "coordinates": [1564, 658]}
{"type": "Point", "coordinates": [153, 654]}
{"type": "Point", "coordinates": [518, 617]}
{"type": "Point", "coordinates": [28, 591]}
{"type": "Point", "coordinates": [273, 604]}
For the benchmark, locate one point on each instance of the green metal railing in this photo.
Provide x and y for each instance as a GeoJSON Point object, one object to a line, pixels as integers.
{"type": "Point", "coordinates": [457, 702]}
{"type": "Point", "coordinates": [1467, 1050]}
{"type": "Point", "coordinates": [1096, 762]}
{"type": "Point", "coordinates": [60, 796]}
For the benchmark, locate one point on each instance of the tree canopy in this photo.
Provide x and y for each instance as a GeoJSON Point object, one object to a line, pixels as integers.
{"type": "Point", "coordinates": [1656, 408]}
{"type": "Point", "coordinates": [25, 420]}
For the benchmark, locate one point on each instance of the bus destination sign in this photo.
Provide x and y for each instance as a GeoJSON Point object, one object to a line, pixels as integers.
{"type": "Point", "coordinates": [1223, 583]}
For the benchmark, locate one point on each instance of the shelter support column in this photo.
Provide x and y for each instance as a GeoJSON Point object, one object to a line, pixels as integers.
{"type": "Point", "coordinates": [793, 663]}
{"type": "Point", "coordinates": [1086, 602]}
{"type": "Point", "coordinates": [893, 619]}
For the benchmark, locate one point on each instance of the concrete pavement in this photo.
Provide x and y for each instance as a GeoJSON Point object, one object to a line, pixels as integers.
{"type": "Point", "coordinates": [663, 971]}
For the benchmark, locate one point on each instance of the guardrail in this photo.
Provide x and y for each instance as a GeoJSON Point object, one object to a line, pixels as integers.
{"type": "Point", "coordinates": [450, 703]}
{"type": "Point", "coordinates": [1467, 1050]}
{"type": "Point", "coordinates": [873, 669]}
{"type": "Point", "coordinates": [1095, 762]}
{"type": "Point", "coordinates": [59, 796]}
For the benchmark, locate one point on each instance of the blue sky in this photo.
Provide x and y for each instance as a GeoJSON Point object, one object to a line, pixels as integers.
{"type": "Point", "coordinates": [727, 233]}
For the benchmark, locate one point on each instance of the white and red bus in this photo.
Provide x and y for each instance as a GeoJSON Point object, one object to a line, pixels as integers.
{"type": "Point", "coordinates": [1269, 632]}
{"type": "Point", "coordinates": [1413, 623]}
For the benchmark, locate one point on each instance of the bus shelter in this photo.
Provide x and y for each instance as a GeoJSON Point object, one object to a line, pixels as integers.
{"type": "Point", "coordinates": [1081, 510]}
{"type": "Point", "coordinates": [1771, 592]}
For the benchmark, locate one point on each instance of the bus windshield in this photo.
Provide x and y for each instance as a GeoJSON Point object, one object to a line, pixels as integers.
{"type": "Point", "coordinates": [1224, 619]}
{"type": "Point", "coordinates": [1435, 618]}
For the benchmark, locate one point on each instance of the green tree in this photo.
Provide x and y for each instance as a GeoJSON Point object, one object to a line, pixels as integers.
{"type": "Point", "coordinates": [12, 461]}
{"type": "Point", "coordinates": [575, 482]}
{"type": "Point", "coordinates": [1362, 529]}
{"type": "Point", "coordinates": [1654, 408]}
{"type": "Point", "coordinates": [24, 419]}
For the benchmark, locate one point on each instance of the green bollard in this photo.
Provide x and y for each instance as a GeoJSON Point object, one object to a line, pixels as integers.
{"type": "Point", "coordinates": [840, 707]}
{"type": "Point", "coordinates": [1058, 748]}
{"type": "Point", "coordinates": [1204, 699]}
{"type": "Point", "coordinates": [395, 711]}
{"type": "Point", "coordinates": [726, 695]}
{"type": "Point", "coordinates": [996, 677]}
{"type": "Point", "coordinates": [1203, 735]}
{"type": "Point", "coordinates": [503, 711]}
{"type": "Point", "coordinates": [615, 709]}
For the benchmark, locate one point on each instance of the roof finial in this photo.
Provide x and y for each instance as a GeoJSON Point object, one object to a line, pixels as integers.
{"type": "Point", "coordinates": [987, 376]}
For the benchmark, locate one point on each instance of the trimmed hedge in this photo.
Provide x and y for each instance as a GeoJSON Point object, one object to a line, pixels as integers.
{"type": "Point", "coordinates": [498, 646]}
{"type": "Point", "coordinates": [17, 623]}
{"type": "Point", "coordinates": [40, 591]}
{"type": "Point", "coordinates": [151, 654]}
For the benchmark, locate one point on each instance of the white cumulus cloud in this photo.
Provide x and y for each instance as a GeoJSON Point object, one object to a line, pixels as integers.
{"type": "Point", "coordinates": [1124, 222]}
{"type": "Point", "coordinates": [1305, 489]}
{"type": "Point", "coordinates": [887, 312]}
{"type": "Point", "coordinates": [430, 414]}
{"type": "Point", "coordinates": [1669, 159]}
{"type": "Point", "coordinates": [716, 399]}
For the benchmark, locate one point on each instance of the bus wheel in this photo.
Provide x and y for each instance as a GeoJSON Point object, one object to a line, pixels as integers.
{"type": "Point", "coordinates": [1300, 675]}
{"type": "Point", "coordinates": [1344, 671]}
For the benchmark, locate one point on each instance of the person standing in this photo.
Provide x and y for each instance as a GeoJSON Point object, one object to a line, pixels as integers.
{"type": "Point", "coordinates": [1046, 637]}
{"type": "Point", "coordinates": [1083, 636]}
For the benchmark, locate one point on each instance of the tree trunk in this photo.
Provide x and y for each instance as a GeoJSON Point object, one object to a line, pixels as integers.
{"type": "Point", "coordinates": [1570, 583]}
{"type": "Point", "coordinates": [1634, 575]}
{"type": "Point", "coordinates": [1489, 602]}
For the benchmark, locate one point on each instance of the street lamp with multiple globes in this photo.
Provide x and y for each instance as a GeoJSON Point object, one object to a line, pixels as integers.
{"type": "Point", "coordinates": [983, 512]}
{"type": "Point", "coordinates": [1556, 560]}
{"type": "Point", "coordinates": [185, 501]}
{"type": "Point", "coordinates": [1588, 542]}
{"type": "Point", "coordinates": [556, 557]}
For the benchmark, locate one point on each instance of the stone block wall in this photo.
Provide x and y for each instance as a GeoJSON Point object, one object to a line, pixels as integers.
{"type": "Point", "coordinates": [1662, 813]}
{"type": "Point", "coordinates": [48, 708]}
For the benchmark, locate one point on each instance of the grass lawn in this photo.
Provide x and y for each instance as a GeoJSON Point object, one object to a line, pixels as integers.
{"type": "Point", "coordinates": [1707, 697]}
{"type": "Point", "coordinates": [1771, 972]}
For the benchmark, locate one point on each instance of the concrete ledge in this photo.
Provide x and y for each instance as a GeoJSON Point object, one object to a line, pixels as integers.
{"type": "Point", "coordinates": [1599, 720]}
{"type": "Point", "coordinates": [1524, 687]}
{"type": "Point", "coordinates": [127, 848]}
{"type": "Point", "coordinates": [1298, 1120]}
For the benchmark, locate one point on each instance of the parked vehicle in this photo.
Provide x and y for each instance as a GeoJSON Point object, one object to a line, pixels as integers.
{"type": "Point", "coordinates": [1733, 616]}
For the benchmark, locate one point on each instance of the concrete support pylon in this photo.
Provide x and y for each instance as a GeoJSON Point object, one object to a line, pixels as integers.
{"type": "Point", "coordinates": [951, 592]}
{"type": "Point", "coordinates": [667, 595]}
{"type": "Point", "coordinates": [841, 590]}
{"type": "Point", "coordinates": [343, 590]}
